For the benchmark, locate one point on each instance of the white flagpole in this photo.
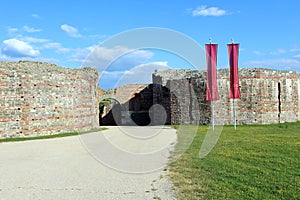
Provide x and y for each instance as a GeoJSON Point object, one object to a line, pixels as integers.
{"type": "Point", "coordinates": [234, 106]}
{"type": "Point", "coordinates": [213, 115]}
{"type": "Point", "coordinates": [212, 106]}
{"type": "Point", "coordinates": [234, 113]}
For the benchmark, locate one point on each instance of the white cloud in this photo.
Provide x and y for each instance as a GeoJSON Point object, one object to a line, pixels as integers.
{"type": "Point", "coordinates": [208, 11]}
{"type": "Point", "coordinates": [35, 16]}
{"type": "Point", "coordinates": [97, 37]}
{"type": "Point", "coordinates": [258, 53]}
{"type": "Point", "coordinates": [297, 56]}
{"type": "Point", "coordinates": [12, 30]}
{"type": "Point", "coordinates": [294, 50]}
{"type": "Point", "coordinates": [117, 58]}
{"type": "Point", "coordinates": [25, 28]}
{"type": "Point", "coordinates": [284, 64]}
{"type": "Point", "coordinates": [52, 45]}
{"type": "Point", "coordinates": [17, 48]}
{"type": "Point", "coordinates": [278, 52]}
{"type": "Point", "coordinates": [30, 29]}
{"type": "Point", "coordinates": [80, 55]}
{"type": "Point", "coordinates": [70, 30]}
{"type": "Point", "coordinates": [141, 74]}
{"type": "Point", "coordinates": [109, 80]}
{"type": "Point", "coordinates": [33, 39]}
{"type": "Point", "coordinates": [58, 46]}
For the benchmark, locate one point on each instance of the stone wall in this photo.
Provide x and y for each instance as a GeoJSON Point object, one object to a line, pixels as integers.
{"type": "Point", "coordinates": [267, 96]}
{"type": "Point", "coordinates": [40, 98]}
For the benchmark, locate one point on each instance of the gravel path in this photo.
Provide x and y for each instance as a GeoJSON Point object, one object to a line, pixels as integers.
{"type": "Point", "coordinates": [74, 167]}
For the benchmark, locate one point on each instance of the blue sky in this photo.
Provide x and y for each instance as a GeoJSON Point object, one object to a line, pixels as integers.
{"type": "Point", "coordinates": [65, 32]}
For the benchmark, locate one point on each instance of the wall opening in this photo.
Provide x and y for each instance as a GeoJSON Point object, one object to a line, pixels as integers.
{"type": "Point", "coordinates": [109, 112]}
{"type": "Point", "coordinates": [279, 101]}
{"type": "Point", "coordinates": [138, 108]}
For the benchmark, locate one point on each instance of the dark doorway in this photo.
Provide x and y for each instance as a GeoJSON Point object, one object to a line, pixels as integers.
{"type": "Point", "coordinates": [279, 101]}
{"type": "Point", "coordinates": [110, 112]}
{"type": "Point", "coordinates": [139, 107]}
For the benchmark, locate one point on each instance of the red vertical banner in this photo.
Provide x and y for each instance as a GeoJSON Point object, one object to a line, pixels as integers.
{"type": "Point", "coordinates": [211, 73]}
{"type": "Point", "coordinates": [233, 53]}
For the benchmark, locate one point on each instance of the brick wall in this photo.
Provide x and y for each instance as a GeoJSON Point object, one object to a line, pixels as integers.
{"type": "Point", "coordinates": [40, 98]}
{"type": "Point", "coordinates": [267, 96]}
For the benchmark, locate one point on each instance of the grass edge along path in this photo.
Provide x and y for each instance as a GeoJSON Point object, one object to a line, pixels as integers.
{"type": "Point", "coordinates": [58, 135]}
{"type": "Point", "coordinates": [254, 162]}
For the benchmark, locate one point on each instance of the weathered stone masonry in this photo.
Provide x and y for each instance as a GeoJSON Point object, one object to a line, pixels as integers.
{"type": "Point", "coordinates": [38, 98]}
{"type": "Point", "coordinates": [267, 96]}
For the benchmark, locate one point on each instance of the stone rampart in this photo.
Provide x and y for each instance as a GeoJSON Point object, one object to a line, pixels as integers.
{"type": "Point", "coordinates": [267, 96]}
{"type": "Point", "coordinates": [40, 98]}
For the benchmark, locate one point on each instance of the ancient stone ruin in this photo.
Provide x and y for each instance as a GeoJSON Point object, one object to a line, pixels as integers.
{"type": "Point", "coordinates": [133, 104]}
{"type": "Point", "coordinates": [267, 96]}
{"type": "Point", "coordinates": [38, 98]}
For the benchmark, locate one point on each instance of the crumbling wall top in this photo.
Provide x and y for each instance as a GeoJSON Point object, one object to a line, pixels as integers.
{"type": "Point", "coordinates": [161, 77]}
{"type": "Point", "coordinates": [43, 67]}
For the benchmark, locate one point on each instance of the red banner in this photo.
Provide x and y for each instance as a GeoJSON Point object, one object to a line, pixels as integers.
{"type": "Point", "coordinates": [211, 74]}
{"type": "Point", "coordinates": [233, 52]}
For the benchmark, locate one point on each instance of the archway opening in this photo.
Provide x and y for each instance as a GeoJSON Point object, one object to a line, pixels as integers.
{"type": "Point", "coordinates": [109, 112]}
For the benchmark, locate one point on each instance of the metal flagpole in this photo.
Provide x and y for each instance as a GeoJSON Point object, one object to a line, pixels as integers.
{"type": "Point", "coordinates": [234, 114]}
{"type": "Point", "coordinates": [213, 115]}
{"type": "Point", "coordinates": [212, 106]}
{"type": "Point", "coordinates": [234, 106]}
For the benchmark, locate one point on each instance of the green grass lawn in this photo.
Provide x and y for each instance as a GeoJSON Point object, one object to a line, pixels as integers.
{"type": "Point", "coordinates": [254, 162]}
{"type": "Point", "coordinates": [49, 136]}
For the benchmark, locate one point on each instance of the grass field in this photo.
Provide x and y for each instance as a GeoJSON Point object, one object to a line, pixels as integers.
{"type": "Point", "coordinates": [254, 162]}
{"type": "Point", "coordinates": [48, 136]}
